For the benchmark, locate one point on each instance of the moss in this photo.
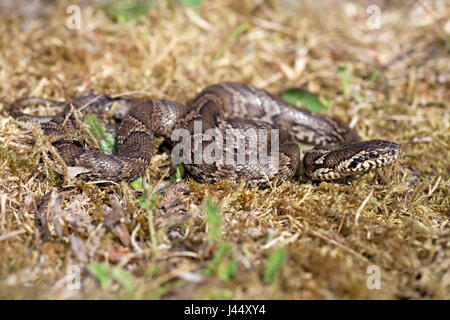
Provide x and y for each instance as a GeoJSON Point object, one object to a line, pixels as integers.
{"type": "Point", "coordinates": [16, 163]}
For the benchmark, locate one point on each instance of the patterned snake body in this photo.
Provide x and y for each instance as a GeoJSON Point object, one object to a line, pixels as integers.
{"type": "Point", "coordinates": [223, 108]}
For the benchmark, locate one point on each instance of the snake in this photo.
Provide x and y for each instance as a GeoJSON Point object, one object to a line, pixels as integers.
{"type": "Point", "coordinates": [226, 112]}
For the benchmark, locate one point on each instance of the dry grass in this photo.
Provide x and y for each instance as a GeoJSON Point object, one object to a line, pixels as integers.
{"type": "Point", "coordinates": [49, 223]}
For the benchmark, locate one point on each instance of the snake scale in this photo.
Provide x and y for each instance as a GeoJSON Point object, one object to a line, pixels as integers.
{"type": "Point", "coordinates": [222, 108]}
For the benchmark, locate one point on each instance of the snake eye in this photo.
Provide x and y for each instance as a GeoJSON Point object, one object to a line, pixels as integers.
{"type": "Point", "coordinates": [373, 154]}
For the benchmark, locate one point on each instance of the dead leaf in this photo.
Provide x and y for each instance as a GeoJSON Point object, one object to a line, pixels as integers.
{"type": "Point", "coordinates": [73, 172]}
{"type": "Point", "coordinates": [117, 255]}
{"type": "Point", "coordinates": [78, 248]}
{"type": "Point", "coordinates": [115, 220]}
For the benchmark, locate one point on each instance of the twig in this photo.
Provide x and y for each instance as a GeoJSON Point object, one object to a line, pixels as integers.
{"type": "Point", "coordinates": [11, 234]}
{"type": "Point", "coordinates": [133, 239]}
{"type": "Point", "coordinates": [361, 207]}
{"type": "Point", "coordinates": [351, 251]}
{"type": "Point", "coordinates": [129, 93]}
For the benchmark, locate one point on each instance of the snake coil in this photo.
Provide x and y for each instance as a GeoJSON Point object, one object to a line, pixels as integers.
{"type": "Point", "coordinates": [222, 109]}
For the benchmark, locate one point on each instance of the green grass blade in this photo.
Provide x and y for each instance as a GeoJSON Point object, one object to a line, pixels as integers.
{"type": "Point", "coordinates": [345, 74]}
{"type": "Point", "coordinates": [274, 264]}
{"type": "Point", "coordinates": [106, 275]}
{"type": "Point", "coordinates": [214, 222]}
{"type": "Point", "coordinates": [196, 4]}
{"type": "Point", "coordinates": [239, 30]}
{"type": "Point", "coordinates": [214, 264]}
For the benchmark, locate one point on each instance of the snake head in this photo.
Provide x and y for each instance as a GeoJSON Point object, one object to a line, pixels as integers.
{"type": "Point", "coordinates": [326, 164]}
{"type": "Point", "coordinates": [370, 155]}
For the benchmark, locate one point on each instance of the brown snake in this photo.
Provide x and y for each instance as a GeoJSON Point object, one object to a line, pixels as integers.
{"type": "Point", "coordinates": [223, 108]}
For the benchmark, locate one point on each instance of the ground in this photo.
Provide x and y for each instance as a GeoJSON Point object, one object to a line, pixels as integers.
{"type": "Point", "coordinates": [174, 238]}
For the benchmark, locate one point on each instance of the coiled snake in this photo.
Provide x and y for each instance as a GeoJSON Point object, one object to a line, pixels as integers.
{"type": "Point", "coordinates": [222, 109]}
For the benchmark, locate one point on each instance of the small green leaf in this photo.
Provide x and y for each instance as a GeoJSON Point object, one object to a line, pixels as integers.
{"type": "Point", "coordinates": [326, 103]}
{"type": "Point", "coordinates": [98, 131]}
{"type": "Point", "coordinates": [148, 203]}
{"type": "Point", "coordinates": [274, 264]}
{"type": "Point", "coordinates": [192, 3]}
{"type": "Point", "coordinates": [214, 222]}
{"type": "Point", "coordinates": [143, 200]}
{"type": "Point", "coordinates": [107, 145]}
{"type": "Point", "coordinates": [178, 175]}
{"type": "Point", "coordinates": [180, 171]}
{"type": "Point", "coordinates": [305, 99]}
{"type": "Point", "coordinates": [128, 10]}
{"type": "Point", "coordinates": [106, 275]}
{"type": "Point", "coordinates": [340, 69]}
{"type": "Point", "coordinates": [137, 184]}
{"type": "Point", "coordinates": [94, 127]}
